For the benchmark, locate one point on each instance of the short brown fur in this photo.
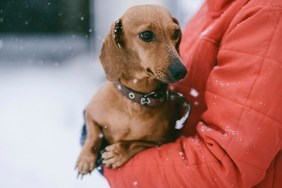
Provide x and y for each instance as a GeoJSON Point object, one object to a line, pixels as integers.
{"type": "Point", "coordinates": [128, 126]}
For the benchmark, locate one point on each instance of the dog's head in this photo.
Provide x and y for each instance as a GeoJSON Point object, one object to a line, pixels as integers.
{"type": "Point", "coordinates": [144, 40]}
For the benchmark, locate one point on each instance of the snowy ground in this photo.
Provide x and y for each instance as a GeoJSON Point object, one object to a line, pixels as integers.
{"type": "Point", "coordinates": [40, 120]}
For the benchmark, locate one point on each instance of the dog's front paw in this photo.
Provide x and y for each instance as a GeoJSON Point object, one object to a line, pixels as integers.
{"type": "Point", "coordinates": [116, 155]}
{"type": "Point", "coordinates": [86, 162]}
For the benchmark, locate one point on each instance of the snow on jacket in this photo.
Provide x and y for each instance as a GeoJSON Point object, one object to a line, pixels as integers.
{"type": "Point", "coordinates": [233, 54]}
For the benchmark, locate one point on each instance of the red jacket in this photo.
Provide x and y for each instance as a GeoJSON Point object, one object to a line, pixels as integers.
{"type": "Point", "coordinates": [233, 54]}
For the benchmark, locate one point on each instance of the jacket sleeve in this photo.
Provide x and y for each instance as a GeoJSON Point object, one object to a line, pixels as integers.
{"type": "Point", "coordinates": [239, 134]}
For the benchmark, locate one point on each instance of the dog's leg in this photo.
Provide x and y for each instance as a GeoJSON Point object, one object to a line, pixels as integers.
{"type": "Point", "coordinates": [119, 153]}
{"type": "Point", "coordinates": [88, 155]}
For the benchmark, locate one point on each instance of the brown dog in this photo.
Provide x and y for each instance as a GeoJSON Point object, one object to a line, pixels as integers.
{"type": "Point", "coordinates": [132, 111]}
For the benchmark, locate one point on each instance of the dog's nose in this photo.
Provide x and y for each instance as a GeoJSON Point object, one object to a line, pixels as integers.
{"type": "Point", "coordinates": [177, 70]}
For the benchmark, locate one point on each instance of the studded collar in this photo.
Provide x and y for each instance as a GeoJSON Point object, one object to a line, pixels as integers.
{"type": "Point", "coordinates": [157, 98]}
{"type": "Point", "coordinates": [152, 99]}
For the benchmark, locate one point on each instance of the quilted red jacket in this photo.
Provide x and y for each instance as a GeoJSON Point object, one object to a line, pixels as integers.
{"type": "Point", "coordinates": [233, 54]}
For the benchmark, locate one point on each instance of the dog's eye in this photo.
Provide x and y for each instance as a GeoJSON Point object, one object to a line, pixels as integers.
{"type": "Point", "coordinates": [176, 34]}
{"type": "Point", "coordinates": [147, 36]}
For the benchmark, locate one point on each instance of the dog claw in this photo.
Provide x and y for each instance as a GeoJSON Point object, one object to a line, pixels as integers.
{"type": "Point", "coordinates": [79, 174]}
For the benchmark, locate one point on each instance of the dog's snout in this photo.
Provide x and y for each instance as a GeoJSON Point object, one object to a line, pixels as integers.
{"type": "Point", "coordinates": [177, 70]}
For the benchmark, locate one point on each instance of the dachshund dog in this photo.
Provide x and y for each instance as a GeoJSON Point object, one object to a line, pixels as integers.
{"type": "Point", "coordinates": [132, 111]}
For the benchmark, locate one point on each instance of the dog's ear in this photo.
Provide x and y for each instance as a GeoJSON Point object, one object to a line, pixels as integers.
{"type": "Point", "coordinates": [180, 36]}
{"type": "Point", "coordinates": [112, 55]}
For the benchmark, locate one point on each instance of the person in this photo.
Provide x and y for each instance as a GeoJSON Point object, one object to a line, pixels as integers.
{"type": "Point", "coordinates": [232, 51]}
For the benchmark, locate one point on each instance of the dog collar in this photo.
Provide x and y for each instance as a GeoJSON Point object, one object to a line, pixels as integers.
{"type": "Point", "coordinates": [152, 99]}
{"type": "Point", "coordinates": [156, 98]}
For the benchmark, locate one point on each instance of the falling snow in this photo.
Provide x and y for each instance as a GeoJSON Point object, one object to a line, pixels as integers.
{"type": "Point", "coordinates": [135, 183]}
{"type": "Point", "coordinates": [225, 84]}
{"type": "Point", "coordinates": [194, 92]}
{"type": "Point", "coordinates": [205, 128]}
{"type": "Point", "coordinates": [135, 81]}
{"type": "Point", "coordinates": [196, 140]}
{"type": "Point", "coordinates": [230, 130]}
{"type": "Point", "coordinates": [181, 154]}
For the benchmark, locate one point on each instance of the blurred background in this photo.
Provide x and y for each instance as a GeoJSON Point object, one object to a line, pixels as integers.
{"type": "Point", "coordinates": [49, 70]}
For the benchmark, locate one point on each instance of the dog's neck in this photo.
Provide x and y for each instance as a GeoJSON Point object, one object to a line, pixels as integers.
{"type": "Point", "coordinates": [142, 85]}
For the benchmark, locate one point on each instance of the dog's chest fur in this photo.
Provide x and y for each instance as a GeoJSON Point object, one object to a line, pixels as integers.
{"type": "Point", "coordinates": [122, 119]}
